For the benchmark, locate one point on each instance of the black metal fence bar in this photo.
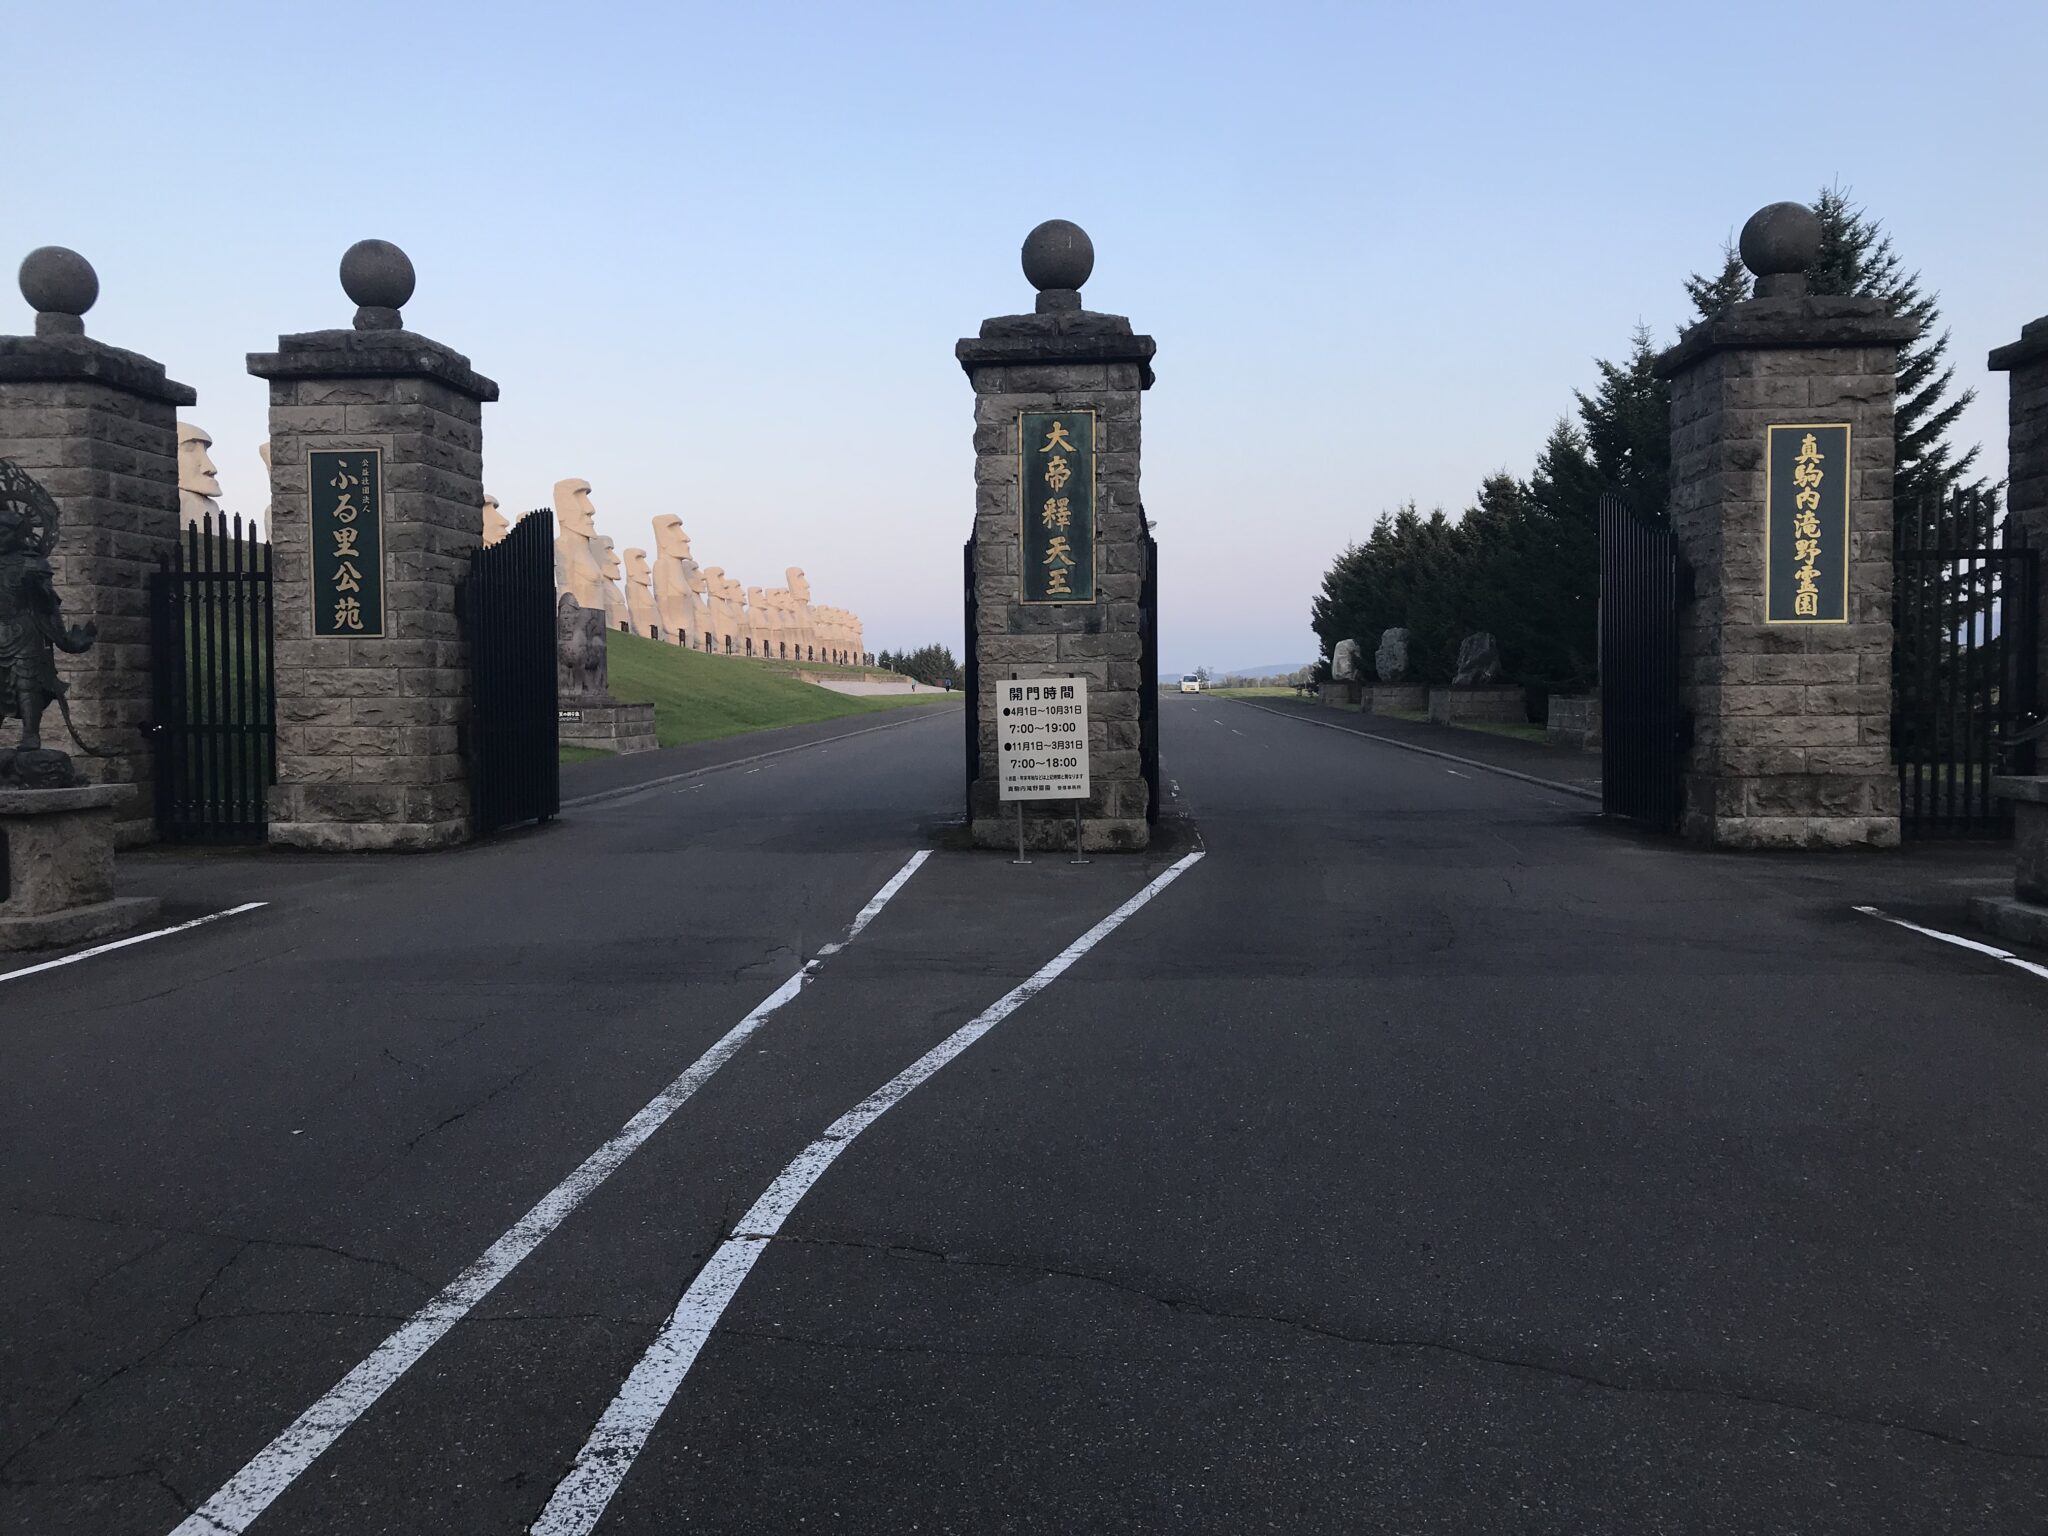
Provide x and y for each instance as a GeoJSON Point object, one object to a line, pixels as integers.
{"type": "Point", "coordinates": [1966, 615]}
{"type": "Point", "coordinates": [215, 723]}
{"type": "Point", "coordinates": [1641, 737]}
{"type": "Point", "coordinates": [971, 671]}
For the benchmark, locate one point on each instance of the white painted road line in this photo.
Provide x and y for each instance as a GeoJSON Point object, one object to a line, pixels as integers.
{"type": "Point", "coordinates": [1457, 775]}
{"type": "Point", "coordinates": [138, 938]}
{"type": "Point", "coordinates": [2032, 968]}
{"type": "Point", "coordinates": [579, 1500]}
{"type": "Point", "coordinates": [274, 1468]}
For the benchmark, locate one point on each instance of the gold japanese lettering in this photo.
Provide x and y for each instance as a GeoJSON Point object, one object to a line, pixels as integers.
{"type": "Point", "coordinates": [1056, 513]}
{"type": "Point", "coordinates": [1057, 440]}
{"type": "Point", "coordinates": [1056, 472]}
{"type": "Point", "coordinates": [348, 614]}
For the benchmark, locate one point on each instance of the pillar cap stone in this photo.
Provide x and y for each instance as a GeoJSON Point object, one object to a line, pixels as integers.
{"type": "Point", "coordinates": [1778, 244]}
{"type": "Point", "coordinates": [60, 286]}
{"type": "Point", "coordinates": [2032, 347]}
{"type": "Point", "coordinates": [371, 355]}
{"type": "Point", "coordinates": [379, 277]}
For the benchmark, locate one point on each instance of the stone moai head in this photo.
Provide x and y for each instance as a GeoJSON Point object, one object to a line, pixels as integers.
{"type": "Point", "coordinates": [573, 510]}
{"type": "Point", "coordinates": [637, 571]}
{"type": "Point", "coordinates": [799, 584]}
{"type": "Point", "coordinates": [197, 475]}
{"type": "Point", "coordinates": [607, 557]}
{"type": "Point", "coordinates": [60, 286]}
{"type": "Point", "coordinates": [495, 526]}
{"type": "Point", "coordinates": [1058, 258]}
{"type": "Point", "coordinates": [1778, 244]}
{"type": "Point", "coordinates": [379, 277]}
{"type": "Point", "coordinates": [669, 538]}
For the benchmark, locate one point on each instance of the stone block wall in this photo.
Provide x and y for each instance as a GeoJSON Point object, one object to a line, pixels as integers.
{"type": "Point", "coordinates": [1042, 363]}
{"type": "Point", "coordinates": [1791, 723]}
{"type": "Point", "coordinates": [371, 732]}
{"type": "Point", "coordinates": [97, 427]}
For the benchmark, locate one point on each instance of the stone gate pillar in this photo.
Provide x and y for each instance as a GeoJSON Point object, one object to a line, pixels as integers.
{"type": "Point", "coordinates": [2026, 497]}
{"type": "Point", "coordinates": [376, 483]}
{"type": "Point", "coordinates": [1781, 499]}
{"type": "Point", "coordinates": [98, 427]}
{"type": "Point", "coordinates": [1032, 617]}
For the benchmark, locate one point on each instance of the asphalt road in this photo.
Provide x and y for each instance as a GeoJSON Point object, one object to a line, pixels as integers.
{"type": "Point", "coordinates": [1424, 1156]}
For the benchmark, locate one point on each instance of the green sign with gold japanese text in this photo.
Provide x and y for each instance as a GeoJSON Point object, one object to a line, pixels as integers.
{"type": "Point", "coordinates": [1057, 492]}
{"type": "Point", "coordinates": [347, 496]}
{"type": "Point", "coordinates": [1806, 524]}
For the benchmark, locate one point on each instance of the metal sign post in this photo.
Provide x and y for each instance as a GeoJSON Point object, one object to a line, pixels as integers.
{"type": "Point", "coordinates": [1042, 745]}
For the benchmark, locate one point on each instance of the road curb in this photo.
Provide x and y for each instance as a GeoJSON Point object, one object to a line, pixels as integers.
{"type": "Point", "coordinates": [598, 797]}
{"type": "Point", "coordinates": [1449, 757]}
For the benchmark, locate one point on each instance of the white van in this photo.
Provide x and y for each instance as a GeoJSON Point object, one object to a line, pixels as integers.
{"type": "Point", "coordinates": [1190, 684]}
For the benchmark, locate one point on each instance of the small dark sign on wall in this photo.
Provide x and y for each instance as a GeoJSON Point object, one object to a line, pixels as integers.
{"type": "Point", "coordinates": [347, 494]}
{"type": "Point", "coordinates": [1057, 511]}
{"type": "Point", "coordinates": [1806, 524]}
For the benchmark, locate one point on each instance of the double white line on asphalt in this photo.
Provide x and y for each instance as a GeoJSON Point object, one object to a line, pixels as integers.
{"type": "Point", "coordinates": [278, 1465]}
{"type": "Point", "coordinates": [580, 1498]}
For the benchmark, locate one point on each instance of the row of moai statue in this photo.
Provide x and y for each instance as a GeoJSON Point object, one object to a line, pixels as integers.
{"type": "Point", "coordinates": [668, 596]}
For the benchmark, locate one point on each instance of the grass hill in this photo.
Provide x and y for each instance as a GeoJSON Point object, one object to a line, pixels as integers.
{"type": "Point", "coordinates": [698, 697]}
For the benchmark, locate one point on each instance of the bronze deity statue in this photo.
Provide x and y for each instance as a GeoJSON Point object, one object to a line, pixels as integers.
{"type": "Point", "coordinates": [32, 631]}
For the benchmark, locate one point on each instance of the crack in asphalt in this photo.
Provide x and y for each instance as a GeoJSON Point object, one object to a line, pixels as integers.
{"type": "Point", "coordinates": [86, 1479]}
{"type": "Point", "coordinates": [198, 1317]}
{"type": "Point", "coordinates": [1472, 1353]}
{"type": "Point", "coordinates": [505, 1087]}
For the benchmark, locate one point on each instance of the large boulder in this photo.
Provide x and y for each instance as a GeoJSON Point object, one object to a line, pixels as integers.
{"type": "Point", "coordinates": [1344, 661]}
{"type": "Point", "coordinates": [1478, 661]}
{"type": "Point", "coordinates": [1390, 661]}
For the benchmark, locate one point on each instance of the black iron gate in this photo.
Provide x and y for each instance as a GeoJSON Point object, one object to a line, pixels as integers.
{"type": "Point", "coordinates": [508, 613]}
{"type": "Point", "coordinates": [971, 675]}
{"type": "Point", "coordinates": [1642, 728]}
{"type": "Point", "coordinates": [1965, 647]}
{"type": "Point", "coordinates": [214, 731]}
{"type": "Point", "coordinates": [1148, 679]}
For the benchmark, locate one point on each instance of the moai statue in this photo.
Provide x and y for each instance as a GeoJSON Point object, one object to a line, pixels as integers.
{"type": "Point", "coordinates": [256, 528]}
{"type": "Point", "coordinates": [803, 639]}
{"type": "Point", "coordinates": [676, 583]}
{"type": "Point", "coordinates": [613, 573]}
{"type": "Point", "coordinates": [495, 526]}
{"type": "Point", "coordinates": [760, 624]}
{"type": "Point", "coordinates": [700, 590]}
{"type": "Point", "coordinates": [642, 615]}
{"type": "Point", "coordinates": [722, 617]}
{"type": "Point", "coordinates": [578, 572]}
{"type": "Point", "coordinates": [198, 480]}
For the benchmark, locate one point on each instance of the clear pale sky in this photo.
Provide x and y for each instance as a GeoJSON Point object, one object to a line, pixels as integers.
{"type": "Point", "coordinates": [718, 256]}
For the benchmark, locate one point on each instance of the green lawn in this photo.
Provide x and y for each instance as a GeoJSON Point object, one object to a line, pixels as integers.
{"type": "Point", "coordinates": [698, 697]}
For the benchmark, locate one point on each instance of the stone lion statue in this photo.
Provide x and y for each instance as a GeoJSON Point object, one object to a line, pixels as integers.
{"type": "Point", "coordinates": [579, 652]}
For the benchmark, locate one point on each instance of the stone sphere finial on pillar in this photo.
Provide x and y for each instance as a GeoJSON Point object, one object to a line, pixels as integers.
{"type": "Point", "coordinates": [379, 277]}
{"type": "Point", "coordinates": [1779, 243]}
{"type": "Point", "coordinates": [60, 286]}
{"type": "Point", "coordinates": [1058, 256]}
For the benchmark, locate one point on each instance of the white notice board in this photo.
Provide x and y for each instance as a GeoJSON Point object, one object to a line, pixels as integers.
{"type": "Point", "coordinates": [1042, 738]}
